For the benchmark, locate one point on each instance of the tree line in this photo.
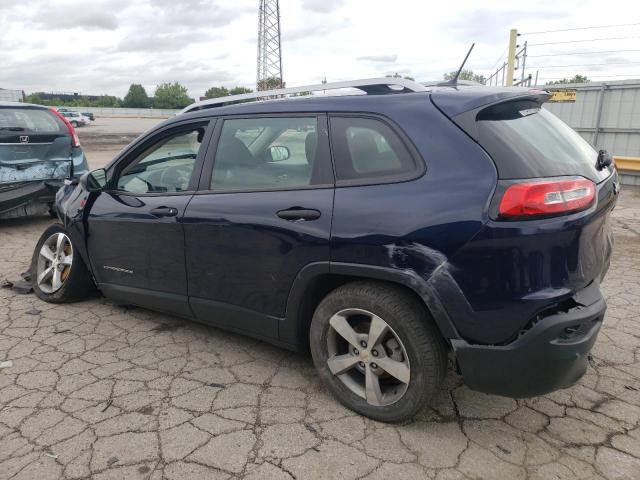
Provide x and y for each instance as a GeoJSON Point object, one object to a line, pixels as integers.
{"type": "Point", "coordinates": [166, 95]}
{"type": "Point", "coordinates": [470, 75]}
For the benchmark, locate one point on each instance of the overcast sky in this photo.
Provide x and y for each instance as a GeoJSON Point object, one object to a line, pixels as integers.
{"type": "Point", "coordinates": [102, 46]}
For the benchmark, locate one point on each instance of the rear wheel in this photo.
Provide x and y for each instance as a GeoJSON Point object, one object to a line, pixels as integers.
{"type": "Point", "coordinates": [74, 124]}
{"type": "Point", "coordinates": [377, 349]}
{"type": "Point", "coordinates": [58, 274]}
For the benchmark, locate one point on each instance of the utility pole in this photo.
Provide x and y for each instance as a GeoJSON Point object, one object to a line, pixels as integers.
{"type": "Point", "coordinates": [511, 59]}
{"type": "Point", "coordinates": [269, 56]}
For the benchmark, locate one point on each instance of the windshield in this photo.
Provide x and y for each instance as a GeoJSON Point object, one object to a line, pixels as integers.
{"type": "Point", "coordinates": [526, 141]}
{"type": "Point", "coordinates": [30, 120]}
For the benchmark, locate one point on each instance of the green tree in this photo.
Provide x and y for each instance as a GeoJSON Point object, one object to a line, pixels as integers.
{"type": "Point", "coordinates": [136, 97]}
{"type": "Point", "coordinates": [108, 101]}
{"type": "Point", "coordinates": [171, 95]}
{"type": "Point", "coordinates": [215, 92]}
{"type": "Point", "coordinates": [239, 90]}
{"type": "Point", "coordinates": [270, 83]}
{"type": "Point", "coordinates": [575, 79]}
{"type": "Point", "coordinates": [466, 75]}
{"type": "Point", "coordinates": [34, 98]}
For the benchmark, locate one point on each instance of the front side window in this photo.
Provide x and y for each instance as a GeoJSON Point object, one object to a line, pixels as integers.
{"type": "Point", "coordinates": [266, 153]}
{"type": "Point", "coordinates": [166, 167]}
{"type": "Point", "coordinates": [366, 148]}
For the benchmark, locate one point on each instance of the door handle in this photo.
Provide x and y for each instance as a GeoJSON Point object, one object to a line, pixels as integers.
{"type": "Point", "coordinates": [164, 212]}
{"type": "Point", "coordinates": [297, 213]}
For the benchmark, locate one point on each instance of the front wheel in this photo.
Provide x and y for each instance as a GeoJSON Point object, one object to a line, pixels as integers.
{"type": "Point", "coordinates": [378, 350]}
{"type": "Point", "coordinates": [58, 274]}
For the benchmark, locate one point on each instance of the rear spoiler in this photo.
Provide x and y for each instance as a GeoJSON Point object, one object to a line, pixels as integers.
{"type": "Point", "coordinates": [463, 106]}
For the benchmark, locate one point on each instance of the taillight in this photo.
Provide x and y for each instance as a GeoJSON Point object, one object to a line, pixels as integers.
{"type": "Point", "coordinates": [75, 141]}
{"type": "Point", "coordinates": [547, 197]}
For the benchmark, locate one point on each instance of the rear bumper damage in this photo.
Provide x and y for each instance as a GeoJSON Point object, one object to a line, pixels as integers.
{"type": "Point", "coordinates": [551, 354]}
{"type": "Point", "coordinates": [27, 198]}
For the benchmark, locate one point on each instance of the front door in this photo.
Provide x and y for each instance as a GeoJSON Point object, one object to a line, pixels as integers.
{"type": "Point", "coordinates": [264, 212]}
{"type": "Point", "coordinates": [135, 236]}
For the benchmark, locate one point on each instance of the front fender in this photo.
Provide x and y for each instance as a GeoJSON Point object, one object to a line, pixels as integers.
{"type": "Point", "coordinates": [72, 204]}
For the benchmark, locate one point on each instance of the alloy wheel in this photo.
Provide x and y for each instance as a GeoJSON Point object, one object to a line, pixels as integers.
{"type": "Point", "coordinates": [367, 356]}
{"type": "Point", "coordinates": [54, 262]}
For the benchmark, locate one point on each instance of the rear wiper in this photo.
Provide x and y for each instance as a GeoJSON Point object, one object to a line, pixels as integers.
{"type": "Point", "coordinates": [13, 129]}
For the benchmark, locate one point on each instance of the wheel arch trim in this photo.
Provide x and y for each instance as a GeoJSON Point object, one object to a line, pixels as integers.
{"type": "Point", "coordinates": [292, 329]}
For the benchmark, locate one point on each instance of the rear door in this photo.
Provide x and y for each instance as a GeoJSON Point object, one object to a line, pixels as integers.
{"type": "Point", "coordinates": [34, 145]}
{"type": "Point", "coordinates": [263, 213]}
{"type": "Point", "coordinates": [135, 235]}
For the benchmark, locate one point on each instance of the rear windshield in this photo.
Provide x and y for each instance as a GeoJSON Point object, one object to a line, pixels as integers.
{"type": "Point", "coordinates": [527, 141]}
{"type": "Point", "coordinates": [29, 120]}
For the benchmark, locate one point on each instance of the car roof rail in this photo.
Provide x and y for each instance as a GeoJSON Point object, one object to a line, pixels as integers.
{"type": "Point", "coordinates": [370, 86]}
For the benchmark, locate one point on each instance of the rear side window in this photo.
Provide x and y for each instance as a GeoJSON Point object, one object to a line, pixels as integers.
{"type": "Point", "coordinates": [30, 120]}
{"type": "Point", "coordinates": [527, 141]}
{"type": "Point", "coordinates": [368, 149]}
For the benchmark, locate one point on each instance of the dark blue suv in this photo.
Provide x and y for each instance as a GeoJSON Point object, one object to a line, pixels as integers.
{"type": "Point", "coordinates": [380, 231]}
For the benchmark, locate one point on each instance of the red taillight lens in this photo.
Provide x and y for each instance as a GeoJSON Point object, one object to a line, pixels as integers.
{"type": "Point", "coordinates": [75, 141]}
{"type": "Point", "coordinates": [547, 197]}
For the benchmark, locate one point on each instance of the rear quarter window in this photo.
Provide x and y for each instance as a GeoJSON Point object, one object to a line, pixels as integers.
{"type": "Point", "coordinates": [527, 141]}
{"type": "Point", "coordinates": [367, 150]}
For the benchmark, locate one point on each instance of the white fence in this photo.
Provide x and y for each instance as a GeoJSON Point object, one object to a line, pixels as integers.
{"type": "Point", "coordinates": [11, 95]}
{"type": "Point", "coordinates": [606, 114]}
{"type": "Point", "coordinates": [126, 112]}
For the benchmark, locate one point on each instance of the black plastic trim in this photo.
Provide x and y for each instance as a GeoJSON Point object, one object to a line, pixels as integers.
{"type": "Point", "coordinates": [537, 362]}
{"type": "Point", "coordinates": [155, 300]}
{"type": "Point", "coordinates": [290, 330]}
{"type": "Point", "coordinates": [232, 317]}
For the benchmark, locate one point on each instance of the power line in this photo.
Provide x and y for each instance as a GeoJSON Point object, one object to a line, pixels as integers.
{"type": "Point", "coordinates": [583, 65]}
{"type": "Point", "coordinates": [582, 28]}
{"type": "Point", "coordinates": [501, 57]}
{"type": "Point", "coordinates": [582, 41]}
{"type": "Point", "coordinates": [579, 53]}
{"type": "Point", "coordinates": [628, 75]}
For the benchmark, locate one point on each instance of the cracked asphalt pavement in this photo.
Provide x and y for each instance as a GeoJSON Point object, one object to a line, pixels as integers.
{"type": "Point", "coordinates": [103, 391]}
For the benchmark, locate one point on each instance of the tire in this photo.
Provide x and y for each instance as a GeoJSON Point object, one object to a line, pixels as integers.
{"type": "Point", "coordinates": [74, 124]}
{"type": "Point", "coordinates": [423, 351]}
{"type": "Point", "coordinates": [76, 282]}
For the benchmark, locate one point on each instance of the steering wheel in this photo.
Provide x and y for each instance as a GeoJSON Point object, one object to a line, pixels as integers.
{"type": "Point", "coordinates": [176, 176]}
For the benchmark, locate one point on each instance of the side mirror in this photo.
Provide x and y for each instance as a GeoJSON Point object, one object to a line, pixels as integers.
{"type": "Point", "coordinates": [94, 181]}
{"type": "Point", "coordinates": [278, 153]}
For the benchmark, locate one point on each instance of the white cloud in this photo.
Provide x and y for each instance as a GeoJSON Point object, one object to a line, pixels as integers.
{"type": "Point", "coordinates": [52, 18]}
{"type": "Point", "coordinates": [379, 58]}
{"type": "Point", "coordinates": [322, 6]}
{"type": "Point", "coordinates": [102, 46]}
